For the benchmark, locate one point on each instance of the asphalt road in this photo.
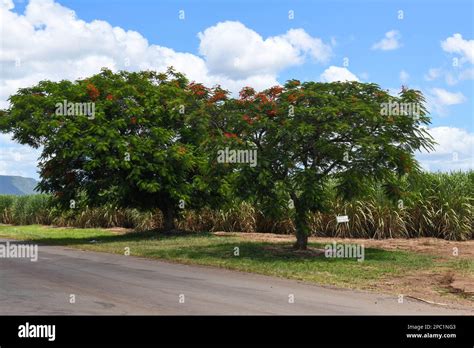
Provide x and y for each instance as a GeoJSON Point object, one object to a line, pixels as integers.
{"type": "Point", "coordinates": [114, 284]}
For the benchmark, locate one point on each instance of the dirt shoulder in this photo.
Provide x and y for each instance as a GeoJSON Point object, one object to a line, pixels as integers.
{"type": "Point", "coordinates": [444, 286]}
{"type": "Point", "coordinates": [432, 246]}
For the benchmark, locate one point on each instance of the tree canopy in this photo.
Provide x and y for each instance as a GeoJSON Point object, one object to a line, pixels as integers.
{"type": "Point", "coordinates": [153, 140]}
{"type": "Point", "coordinates": [307, 133]}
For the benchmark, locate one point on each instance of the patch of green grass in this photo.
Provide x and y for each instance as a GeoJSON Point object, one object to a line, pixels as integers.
{"type": "Point", "coordinates": [276, 259]}
{"type": "Point", "coordinates": [51, 235]}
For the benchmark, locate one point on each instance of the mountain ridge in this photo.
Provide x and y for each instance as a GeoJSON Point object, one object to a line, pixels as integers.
{"type": "Point", "coordinates": [17, 185]}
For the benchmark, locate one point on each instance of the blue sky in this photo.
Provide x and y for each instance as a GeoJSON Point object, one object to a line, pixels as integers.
{"type": "Point", "coordinates": [243, 42]}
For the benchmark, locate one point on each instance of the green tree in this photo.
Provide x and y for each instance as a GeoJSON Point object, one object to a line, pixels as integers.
{"type": "Point", "coordinates": [144, 145]}
{"type": "Point", "coordinates": [307, 133]}
{"type": "Point", "coordinates": [152, 141]}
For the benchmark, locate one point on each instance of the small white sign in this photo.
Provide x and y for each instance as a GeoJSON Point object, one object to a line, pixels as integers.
{"type": "Point", "coordinates": [342, 218]}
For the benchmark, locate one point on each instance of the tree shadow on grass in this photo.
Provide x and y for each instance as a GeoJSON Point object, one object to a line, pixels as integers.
{"type": "Point", "coordinates": [223, 248]}
{"type": "Point", "coordinates": [272, 252]}
{"type": "Point", "coordinates": [151, 235]}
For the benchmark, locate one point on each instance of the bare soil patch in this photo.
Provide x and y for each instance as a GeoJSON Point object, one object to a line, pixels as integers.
{"type": "Point", "coordinates": [443, 286]}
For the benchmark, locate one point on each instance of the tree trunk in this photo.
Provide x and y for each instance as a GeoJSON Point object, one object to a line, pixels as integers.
{"type": "Point", "coordinates": [301, 224]}
{"type": "Point", "coordinates": [168, 216]}
{"type": "Point", "coordinates": [301, 240]}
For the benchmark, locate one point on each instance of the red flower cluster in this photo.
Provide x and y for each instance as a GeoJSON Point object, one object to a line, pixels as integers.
{"type": "Point", "coordinates": [218, 96]}
{"type": "Point", "coordinates": [197, 89]}
{"type": "Point", "coordinates": [92, 91]}
{"type": "Point", "coordinates": [230, 135]}
{"type": "Point", "coordinates": [292, 98]}
{"type": "Point", "coordinates": [262, 97]}
{"type": "Point", "coordinates": [293, 83]}
{"type": "Point", "coordinates": [247, 119]}
{"type": "Point", "coordinates": [275, 91]}
{"type": "Point", "coordinates": [271, 113]}
{"type": "Point", "coordinates": [246, 92]}
{"type": "Point", "coordinates": [109, 97]}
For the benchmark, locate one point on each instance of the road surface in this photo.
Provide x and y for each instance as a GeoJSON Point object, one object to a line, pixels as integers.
{"type": "Point", "coordinates": [104, 283]}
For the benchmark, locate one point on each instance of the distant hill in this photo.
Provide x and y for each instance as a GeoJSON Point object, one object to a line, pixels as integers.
{"type": "Point", "coordinates": [17, 185]}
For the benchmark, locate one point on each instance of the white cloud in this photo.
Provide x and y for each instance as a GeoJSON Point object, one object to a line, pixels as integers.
{"type": "Point", "coordinates": [50, 42]}
{"type": "Point", "coordinates": [433, 74]}
{"type": "Point", "coordinates": [389, 42]}
{"type": "Point", "coordinates": [451, 139]}
{"type": "Point", "coordinates": [335, 73]}
{"type": "Point", "coordinates": [451, 77]}
{"type": "Point", "coordinates": [464, 48]}
{"type": "Point", "coordinates": [463, 75]}
{"type": "Point", "coordinates": [438, 100]}
{"type": "Point", "coordinates": [454, 151]}
{"type": "Point", "coordinates": [445, 97]}
{"type": "Point", "coordinates": [456, 44]}
{"type": "Point", "coordinates": [303, 42]}
{"type": "Point", "coordinates": [404, 76]}
{"type": "Point", "coordinates": [16, 159]}
{"type": "Point", "coordinates": [235, 51]}
{"type": "Point", "coordinates": [7, 4]}
{"type": "Point", "coordinates": [467, 74]}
